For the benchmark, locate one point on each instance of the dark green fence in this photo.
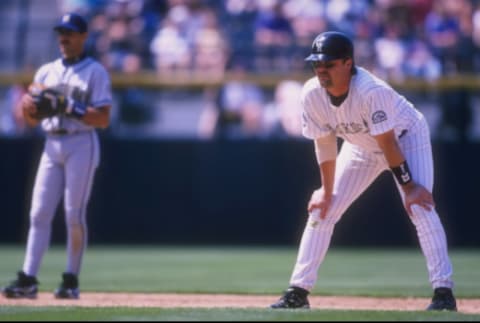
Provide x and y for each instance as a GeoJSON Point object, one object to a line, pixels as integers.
{"type": "Point", "coordinates": [233, 192]}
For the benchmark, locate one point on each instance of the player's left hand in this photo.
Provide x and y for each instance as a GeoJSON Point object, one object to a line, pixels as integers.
{"type": "Point", "coordinates": [417, 194]}
{"type": "Point", "coordinates": [320, 201]}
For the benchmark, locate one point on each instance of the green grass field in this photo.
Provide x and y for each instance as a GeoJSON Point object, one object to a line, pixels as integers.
{"type": "Point", "coordinates": [221, 269]}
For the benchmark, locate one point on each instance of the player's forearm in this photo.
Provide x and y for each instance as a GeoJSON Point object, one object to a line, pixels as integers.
{"type": "Point", "coordinates": [390, 148]}
{"type": "Point", "coordinates": [97, 117]}
{"type": "Point", "coordinates": [327, 173]}
{"type": "Point", "coordinates": [396, 160]}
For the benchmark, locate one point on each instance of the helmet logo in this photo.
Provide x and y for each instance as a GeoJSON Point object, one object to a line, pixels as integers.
{"type": "Point", "coordinates": [317, 45]}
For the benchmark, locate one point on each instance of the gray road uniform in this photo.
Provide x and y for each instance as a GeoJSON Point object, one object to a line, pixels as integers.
{"type": "Point", "coordinates": [68, 162]}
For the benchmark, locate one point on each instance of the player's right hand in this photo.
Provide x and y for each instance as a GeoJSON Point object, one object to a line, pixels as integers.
{"type": "Point", "coordinates": [320, 201]}
{"type": "Point", "coordinates": [419, 195]}
{"type": "Point", "coordinates": [28, 104]}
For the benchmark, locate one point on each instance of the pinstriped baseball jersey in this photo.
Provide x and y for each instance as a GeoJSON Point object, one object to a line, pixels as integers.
{"type": "Point", "coordinates": [86, 81]}
{"type": "Point", "coordinates": [368, 108]}
{"type": "Point", "coordinates": [372, 107]}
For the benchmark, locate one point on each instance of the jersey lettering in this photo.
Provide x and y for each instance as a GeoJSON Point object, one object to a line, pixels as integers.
{"type": "Point", "coordinates": [346, 128]}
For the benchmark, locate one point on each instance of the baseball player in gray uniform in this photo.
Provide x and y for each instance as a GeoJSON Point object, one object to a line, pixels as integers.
{"type": "Point", "coordinates": [381, 131]}
{"type": "Point", "coordinates": [70, 156]}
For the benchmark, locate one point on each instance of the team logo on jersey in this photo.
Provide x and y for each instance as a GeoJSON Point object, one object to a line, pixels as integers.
{"type": "Point", "coordinates": [379, 116]}
{"type": "Point", "coordinates": [345, 128]}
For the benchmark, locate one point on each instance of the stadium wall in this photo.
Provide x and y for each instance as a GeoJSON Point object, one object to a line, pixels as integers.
{"type": "Point", "coordinates": [245, 192]}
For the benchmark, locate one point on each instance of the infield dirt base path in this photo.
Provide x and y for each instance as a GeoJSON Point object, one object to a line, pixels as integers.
{"type": "Point", "coordinates": [470, 306]}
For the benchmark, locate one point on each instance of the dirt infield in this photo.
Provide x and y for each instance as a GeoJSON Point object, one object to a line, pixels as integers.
{"type": "Point", "coordinates": [471, 306]}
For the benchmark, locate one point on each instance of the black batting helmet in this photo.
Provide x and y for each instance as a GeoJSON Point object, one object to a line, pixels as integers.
{"type": "Point", "coordinates": [331, 45]}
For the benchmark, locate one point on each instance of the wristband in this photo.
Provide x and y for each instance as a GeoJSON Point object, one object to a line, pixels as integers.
{"type": "Point", "coordinates": [76, 109]}
{"type": "Point", "coordinates": [402, 173]}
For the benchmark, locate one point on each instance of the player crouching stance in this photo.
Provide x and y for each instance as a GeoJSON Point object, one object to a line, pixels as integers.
{"type": "Point", "coordinates": [381, 131]}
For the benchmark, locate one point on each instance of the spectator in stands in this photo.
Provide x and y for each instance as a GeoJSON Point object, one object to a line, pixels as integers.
{"type": "Point", "coordinates": [393, 38]}
{"type": "Point", "coordinates": [283, 115]}
{"type": "Point", "coordinates": [390, 53]}
{"type": "Point", "coordinates": [170, 49]}
{"type": "Point", "coordinates": [86, 8]}
{"type": "Point", "coordinates": [418, 11]}
{"type": "Point", "coordinates": [172, 45]}
{"type": "Point", "coordinates": [235, 110]}
{"type": "Point", "coordinates": [343, 14]}
{"type": "Point", "coordinates": [134, 110]}
{"type": "Point", "coordinates": [420, 63]}
{"type": "Point", "coordinates": [476, 29]}
{"type": "Point", "coordinates": [442, 31]}
{"type": "Point", "coordinates": [124, 34]}
{"type": "Point", "coordinates": [274, 38]}
{"type": "Point", "coordinates": [450, 36]}
{"type": "Point", "coordinates": [237, 20]}
{"type": "Point", "coordinates": [365, 54]}
{"type": "Point", "coordinates": [307, 18]}
{"type": "Point", "coordinates": [210, 48]}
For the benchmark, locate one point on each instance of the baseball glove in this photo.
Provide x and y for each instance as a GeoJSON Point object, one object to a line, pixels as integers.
{"type": "Point", "coordinates": [49, 102]}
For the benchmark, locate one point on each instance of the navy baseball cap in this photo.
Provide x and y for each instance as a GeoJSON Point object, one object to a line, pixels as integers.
{"type": "Point", "coordinates": [330, 45]}
{"type": "Point", "coordinates": [72, 21]}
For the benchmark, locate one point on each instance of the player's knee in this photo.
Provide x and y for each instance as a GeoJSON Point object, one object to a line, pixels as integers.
{"type": "Point", "coordinates": [419, 213]}
{"type": "Point", "coordinates": [422, 218]}
{"type": "Point", "coordinates": [39, 219]}
{"type": "Point", "coordinates": [329, 220]}
{"type": "Point", "coordinates": [73, 221]}
{"type": "Point", "coordinates": [74, 218]}
{"type": "Point", "coordinates": [315, 222]}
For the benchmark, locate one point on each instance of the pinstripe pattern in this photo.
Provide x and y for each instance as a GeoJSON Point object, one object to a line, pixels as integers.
{"type": "Point", "coordinates": [360, 162]}
{"type": "Point", "coordinates": [418, 152]}
{"type": "Point", "coordinates": [352, 120]}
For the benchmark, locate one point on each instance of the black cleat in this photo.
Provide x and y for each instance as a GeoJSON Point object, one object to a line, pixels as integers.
{"type": "Point", "coordinates": [68, 289]}
{"type": "Point", "coordinates": [23, 287]}
{"type": "Point", "coordinates": [293, 297]}
{"type": "Point", "coordinates": [443, 299]}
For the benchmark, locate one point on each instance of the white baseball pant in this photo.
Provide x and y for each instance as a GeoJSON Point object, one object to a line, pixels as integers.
{"type": "Point", "coordinates": [356, 169]}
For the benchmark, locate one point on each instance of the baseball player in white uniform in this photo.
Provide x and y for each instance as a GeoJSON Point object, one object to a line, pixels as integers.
{"type": "Point", "coordinates": [69, 159]}
{"type": "Point", "coordinates": [381, 131]}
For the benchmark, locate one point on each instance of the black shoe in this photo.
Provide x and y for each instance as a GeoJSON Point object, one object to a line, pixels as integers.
{"type": "Point", "coordinates": [23, 287]}
{"type": "Point", "coordinates": [68, 289]}
{"type": "Point", "coordinates": [293, 297]}
{"type": "Point", "coordinates": [443, 299]}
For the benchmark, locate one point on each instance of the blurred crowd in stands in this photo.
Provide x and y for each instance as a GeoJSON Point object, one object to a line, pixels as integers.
{"type": "Point", "coordinates": [395, 39]}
